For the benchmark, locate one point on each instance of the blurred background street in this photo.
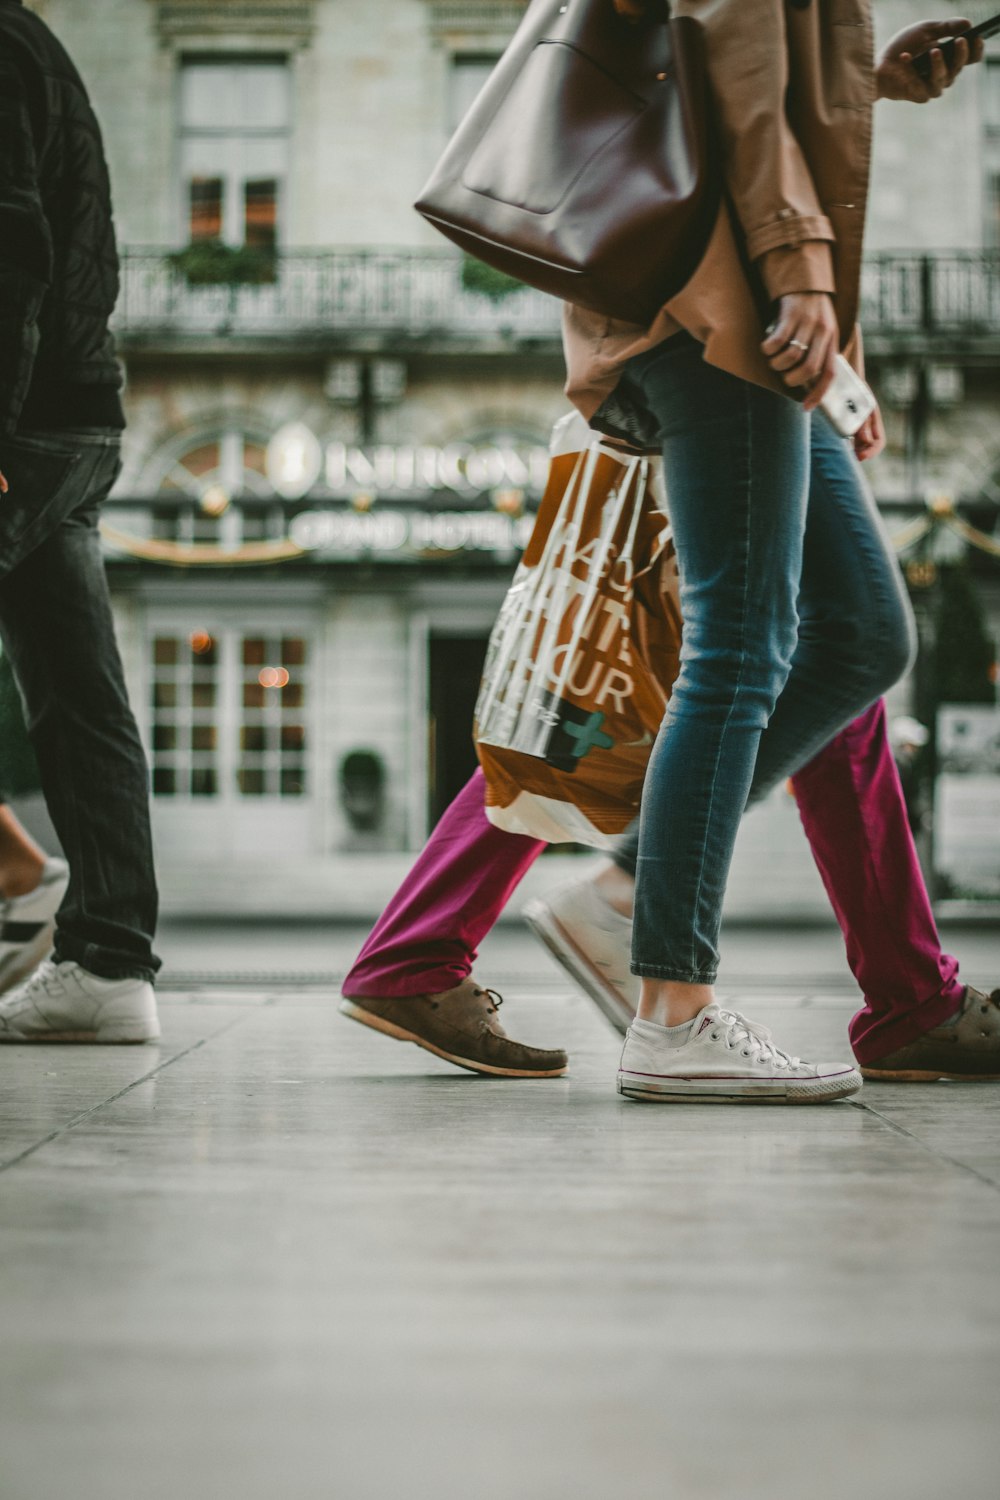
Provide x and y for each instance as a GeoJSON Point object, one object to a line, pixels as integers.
{"type": "Point", "coordinates": [338, 434]}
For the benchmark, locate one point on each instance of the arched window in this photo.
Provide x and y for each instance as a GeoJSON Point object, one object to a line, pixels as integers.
{"type": "Point", "coordinates": [194, 481]}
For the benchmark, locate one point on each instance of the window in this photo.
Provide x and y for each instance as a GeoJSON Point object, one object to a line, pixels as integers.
{"type": "Point", "coordinates": [229, 714]}
{"type": "Point", "coordinates": [235, 121]}
{"type": "Point", "coordinates": [185, 677]}
{"type": "Point", "coordinates": [469, 71]}
{"type": "Point", "coordinates": [210, 474]}
{"type": "Point", "coordinates": [991, 94]}
{"type": "Point", "coordinates": [993, 212]}
{"type": "Point", "coordinates": [273, 734]}
{"type": "Point", "coordinates": [991, 152]}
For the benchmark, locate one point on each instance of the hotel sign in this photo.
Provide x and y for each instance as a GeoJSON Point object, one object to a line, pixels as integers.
{"type": "Point", "coordinates": [299, 464]}
{"type": "Point", "coordinates": [403, 534]}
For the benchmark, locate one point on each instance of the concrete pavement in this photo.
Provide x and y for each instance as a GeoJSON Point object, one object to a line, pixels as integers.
{"type": "Point", "coordinates": [278, 1254]}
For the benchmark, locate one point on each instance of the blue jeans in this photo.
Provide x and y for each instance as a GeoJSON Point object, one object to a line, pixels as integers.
{"type": "Point", "coordinates": [795, 621]}
{"type": "Point", "coordinates": [58, 631]}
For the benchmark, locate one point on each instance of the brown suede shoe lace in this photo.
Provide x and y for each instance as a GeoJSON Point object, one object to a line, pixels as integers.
{"type": "Point", "coordinates": [492, 995]}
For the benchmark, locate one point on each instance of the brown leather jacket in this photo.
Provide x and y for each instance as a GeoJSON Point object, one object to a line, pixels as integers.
{"type": "Point", "coordinates": [794, 85]}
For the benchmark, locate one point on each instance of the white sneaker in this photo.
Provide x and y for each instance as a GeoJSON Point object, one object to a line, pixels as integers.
{"type": "Point", "coordinates": [64, 1003]}
{"type": "Point", "coordinates": [726, 1058]}
{"type": "Point", "coordinates": [593, 943]}
{"type": "Point", "coordinates": [28, 924]}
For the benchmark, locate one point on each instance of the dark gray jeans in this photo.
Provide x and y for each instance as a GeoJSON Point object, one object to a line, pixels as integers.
{"type": "Point", "coordinates": [57, 630]}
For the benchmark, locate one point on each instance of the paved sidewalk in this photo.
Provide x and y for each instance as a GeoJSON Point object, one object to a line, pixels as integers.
{"type": "Point", "coordinates": [281, 1256]}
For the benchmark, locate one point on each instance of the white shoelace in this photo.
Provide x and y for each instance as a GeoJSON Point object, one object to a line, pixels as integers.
{"type": "Point", "coordinates": [751, 1039]}
{"type": "Point", "coordinates": [46, 977]}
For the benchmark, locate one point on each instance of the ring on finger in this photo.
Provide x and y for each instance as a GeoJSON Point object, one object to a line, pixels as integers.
{"type": "Point", "coordinates": [798, 344]}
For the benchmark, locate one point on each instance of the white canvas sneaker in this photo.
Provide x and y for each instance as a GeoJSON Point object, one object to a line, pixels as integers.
{"type": "Point", "coordinates": [64, 1003]}
{"type": "Point", "coordinates": [726, 1059]}
{"type": "Point", "coordinates": [593, 943]}
{"type": "Point", "coordinates": [28, 924]}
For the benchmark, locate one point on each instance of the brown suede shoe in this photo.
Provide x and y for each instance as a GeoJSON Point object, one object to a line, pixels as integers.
{"type": "Point", "coordinates": [459, 1025]}
{"type": "Point", "coordinates": [969, 1048]}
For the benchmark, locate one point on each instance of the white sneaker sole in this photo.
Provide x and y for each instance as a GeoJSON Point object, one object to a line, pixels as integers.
{"type": "Point", "coordinates": [662, 1090]}
{"type": "Point", "coordinates": [117, 1036]}
{"type": "Point", "coordinates": [550, 931]}
{"type": "Point", "coordinates": [399, 1034]}
{"type": "Point", "coordinates": [120, 1032]}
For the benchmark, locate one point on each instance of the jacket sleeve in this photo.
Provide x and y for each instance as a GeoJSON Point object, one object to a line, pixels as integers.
{"type": "Point", "coordinates": [787, 233]}
{"type": "Point", "coordinates": [26, 253]}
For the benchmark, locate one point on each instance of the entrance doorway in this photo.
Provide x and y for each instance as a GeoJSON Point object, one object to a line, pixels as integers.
{"type": "Point", "coordinates": [456, 666]}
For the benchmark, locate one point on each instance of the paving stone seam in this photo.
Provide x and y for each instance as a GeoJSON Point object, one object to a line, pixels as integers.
{"type": "Point", "coordinates": [86, 1114]}
{"type": "Point", "coordinates": [941, 1156]}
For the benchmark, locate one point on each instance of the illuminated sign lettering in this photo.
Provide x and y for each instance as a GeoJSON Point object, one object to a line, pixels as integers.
{"type": "Point", "coordinates": [397, 533]}
{"type": "Point", "coordinates": [298, 464]}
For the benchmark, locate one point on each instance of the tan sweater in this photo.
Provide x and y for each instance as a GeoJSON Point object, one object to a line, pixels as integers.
{"type": "Point", "coordinates": [793, 86]}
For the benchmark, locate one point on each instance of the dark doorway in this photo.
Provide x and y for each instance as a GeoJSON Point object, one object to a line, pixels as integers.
{"type": "Point", "coordinates": [456, 665]}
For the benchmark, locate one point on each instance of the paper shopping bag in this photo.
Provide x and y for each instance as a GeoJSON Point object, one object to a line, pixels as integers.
{"type": "Point", "coordinates": [585, 650]}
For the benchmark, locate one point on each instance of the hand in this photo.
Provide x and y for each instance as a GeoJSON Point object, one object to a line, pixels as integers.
{"type": "Point", "coordinates": [803, 342]}
{"type": "Point", "coordinates": [869, 440]}
{"type": "Point", "coordinates": [4, 486]}
{"type": "Point", "coordinates": [897, 78]}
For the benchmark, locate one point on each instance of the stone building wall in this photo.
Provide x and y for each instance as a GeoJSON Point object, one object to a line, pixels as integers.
{"type": "Point", "coordinates": [372, 110]}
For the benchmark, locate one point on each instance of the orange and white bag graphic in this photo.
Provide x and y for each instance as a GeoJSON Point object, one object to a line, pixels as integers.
{"type": "Point", "coordinates": [584, 652]}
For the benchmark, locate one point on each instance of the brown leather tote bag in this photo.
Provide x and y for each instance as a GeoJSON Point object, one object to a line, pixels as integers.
{"type": "Point", "coordinates": [586, 166]}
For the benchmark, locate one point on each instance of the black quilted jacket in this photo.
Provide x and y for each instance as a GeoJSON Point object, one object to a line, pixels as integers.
{"type": "Point", "coordinates": [58, 260]}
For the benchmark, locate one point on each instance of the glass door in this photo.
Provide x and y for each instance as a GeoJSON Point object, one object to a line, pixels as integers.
{"type": "Point", "coordinates": [230, 738]}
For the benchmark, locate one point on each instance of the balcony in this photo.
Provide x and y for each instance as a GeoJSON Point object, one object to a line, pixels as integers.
{"type": "Point", "coordinates": [945, 303]}
{"type": "Point", "coordinates": [405, 299]}
{"type": "Point", "coordinates": [325, 300]}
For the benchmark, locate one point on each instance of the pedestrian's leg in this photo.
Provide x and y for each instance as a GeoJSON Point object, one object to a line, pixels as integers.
{"type": "Point", "coordinates": [412, 980]}
{"type": "Point", "coordinates": [856, 632]}
{"type": "Point", "coordinates": [32, 889]}
{"type": "Point", "coordinates": [852, 808]}
{"type": "Point", "coordinates": [849, 794]}
{"type": "Point", "coordinates": [736, 463]}
{"type": "Point", "coordinates": [22, 862]}
{"type": "Point", "coordinates": [426, 940]}
{"type": "Point", "coordinates": [57, 625]}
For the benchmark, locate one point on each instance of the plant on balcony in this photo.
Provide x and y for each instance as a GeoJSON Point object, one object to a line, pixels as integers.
{"type": "Point", "coordinates": [214, 263]}
{"type": "Point", "coordinates": [486, 282]}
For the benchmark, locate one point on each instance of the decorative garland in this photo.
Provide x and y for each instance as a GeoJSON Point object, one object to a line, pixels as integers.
{"type": "Point", "coordinates": [941, 512]}
{"type": "Point", "coordinates": [200, 554]}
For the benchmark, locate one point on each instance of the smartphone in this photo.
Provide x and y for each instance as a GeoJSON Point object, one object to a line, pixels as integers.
{"type": "Point", "coordinates": [848, 403]}
{"type": "Point", "coordinates": [985, 29]}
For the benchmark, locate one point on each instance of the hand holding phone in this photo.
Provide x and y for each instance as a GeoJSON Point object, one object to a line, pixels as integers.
{"type": "Point", "coordinates": [923, 63]}
{"type": "Point", "coordinates": [920, 62]}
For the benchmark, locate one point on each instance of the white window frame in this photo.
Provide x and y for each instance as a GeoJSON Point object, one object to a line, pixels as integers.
{"type": "Point", "coordinates": [234, 219]}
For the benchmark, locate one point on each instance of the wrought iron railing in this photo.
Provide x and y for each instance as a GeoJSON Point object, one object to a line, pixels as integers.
{"type": "Point", "coordinates": [421, 293]}
{"type": "Point", "coordinates": [951, 293]}
{"type": "Point", "coordinates": [404, 292]}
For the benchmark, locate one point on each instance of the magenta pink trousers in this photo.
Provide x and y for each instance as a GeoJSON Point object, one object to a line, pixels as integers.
{"type": "Point", "coordinates": [851, 804]}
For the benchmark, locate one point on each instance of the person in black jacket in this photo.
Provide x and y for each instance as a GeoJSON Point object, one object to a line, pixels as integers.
{"type": "Point", "coordinates": [61, 421]}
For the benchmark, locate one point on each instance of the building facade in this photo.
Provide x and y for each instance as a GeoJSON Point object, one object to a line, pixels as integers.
{"type": "Point", "coordinates": [337, 435]}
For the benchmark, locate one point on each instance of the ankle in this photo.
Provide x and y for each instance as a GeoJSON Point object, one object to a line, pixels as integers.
{"type": "Point", "coordinates": [19, 877]}
{"type": "Point", "coordinates": [617, 888]}
{"type": "Point", "coordinates": [667, 1003]}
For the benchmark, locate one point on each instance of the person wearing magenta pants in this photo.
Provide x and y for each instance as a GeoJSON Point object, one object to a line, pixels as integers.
{"type": "Point", "coordinates": [851, 804]}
